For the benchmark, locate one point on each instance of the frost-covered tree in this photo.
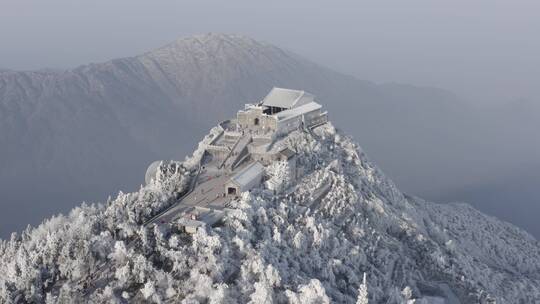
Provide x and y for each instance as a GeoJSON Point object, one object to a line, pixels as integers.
{"type": "Point", "coordinates": [363, 292]}
{"type": "Point", "coordinates": [279, 176]}
{"type": "Point", "coordinates": [407, 293]}
{"type": "Point", "coordinates": [311, 293]}
{"type": "Point", "coordinates": [262, 294]}
{"type": "Point", "coordinates": [309, 246]}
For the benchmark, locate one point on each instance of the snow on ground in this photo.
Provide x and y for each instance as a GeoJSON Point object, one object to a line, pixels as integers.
{"type": "Point", "coordinates": [274, 249]}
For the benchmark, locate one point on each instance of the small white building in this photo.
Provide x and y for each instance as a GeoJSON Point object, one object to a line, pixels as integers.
{"type": "Point", "coordinates": [246, 179]}
{"type": "Point", "coordinates": [198, 217]}
{"type": "Point", "coordinates": [188, 225]}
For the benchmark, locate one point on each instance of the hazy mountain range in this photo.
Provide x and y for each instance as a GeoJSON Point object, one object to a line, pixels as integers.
{"type": "Point", "coordinates": [81, 134]}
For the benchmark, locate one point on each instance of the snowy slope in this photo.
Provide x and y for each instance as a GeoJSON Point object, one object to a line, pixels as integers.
{"type": "Point", "coordinates": [277, 249]}
{"type": "Point", "coordinates": [94, 128]}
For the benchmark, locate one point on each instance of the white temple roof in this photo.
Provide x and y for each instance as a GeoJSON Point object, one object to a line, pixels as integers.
{"type": "Point", "coordinates": [286, 98]}
{"type": "Point", "coordinates": [303, 109]}
{"type": "Point", "coordinates": [246, 175]}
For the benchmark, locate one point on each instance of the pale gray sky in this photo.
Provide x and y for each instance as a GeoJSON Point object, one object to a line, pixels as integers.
{"type": "Point", "coordinates": [484, 50]}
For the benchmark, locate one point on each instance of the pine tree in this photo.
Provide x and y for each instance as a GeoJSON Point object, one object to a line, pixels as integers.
{"type": "Point", "coordinates": [280, 176]}
{"type": "Point", "coordinates": [363, 292]}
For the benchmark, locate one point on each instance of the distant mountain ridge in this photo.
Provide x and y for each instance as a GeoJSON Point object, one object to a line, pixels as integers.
{"type": "Point", "coordinates": [94, 129]}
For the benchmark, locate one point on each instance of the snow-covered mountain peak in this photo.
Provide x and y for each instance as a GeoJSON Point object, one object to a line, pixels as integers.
{"type": "Point", "coordinates": [306, 232]}
{"type": "Point", "coordinates": [212, 44]}
{"type": "Point", "coordinates": [215, 39]}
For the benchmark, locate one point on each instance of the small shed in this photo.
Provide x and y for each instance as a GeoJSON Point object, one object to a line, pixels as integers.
{"type": "Point", "coordinates": [246, 179]}
{"type": "Point", "coordinates": [285, 155]}
{"type": "Point", "coordinates": [196, 217]}
{"type": "Point", "coordinates": [189, 225]}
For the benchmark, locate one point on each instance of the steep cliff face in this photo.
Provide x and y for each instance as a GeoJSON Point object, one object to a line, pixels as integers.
{"type": "Point", "coordinates": [287, 248]}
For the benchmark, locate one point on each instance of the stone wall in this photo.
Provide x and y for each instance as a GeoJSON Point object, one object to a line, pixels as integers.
{"type": "Point", "coordinates": [310, 116]}
{"type": "Point", "coordinates": [255, 120]}
{"type": "Point", "coordinates": [289, 125]}
{"type": "Point", "coordinates": [317, 120]}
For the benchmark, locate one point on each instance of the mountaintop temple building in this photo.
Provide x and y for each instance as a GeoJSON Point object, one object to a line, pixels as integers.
{"type": "Point", "coordinates": [280, 112]}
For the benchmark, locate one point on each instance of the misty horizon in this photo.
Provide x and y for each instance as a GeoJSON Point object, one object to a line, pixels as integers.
{"type": "Point", "coordinates": [460, 46]}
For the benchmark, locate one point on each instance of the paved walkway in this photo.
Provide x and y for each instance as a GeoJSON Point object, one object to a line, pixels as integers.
{"type": "Point", "coordinates": [209, 187]}
{"type": "Point", "coordinates": [207, 190]}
